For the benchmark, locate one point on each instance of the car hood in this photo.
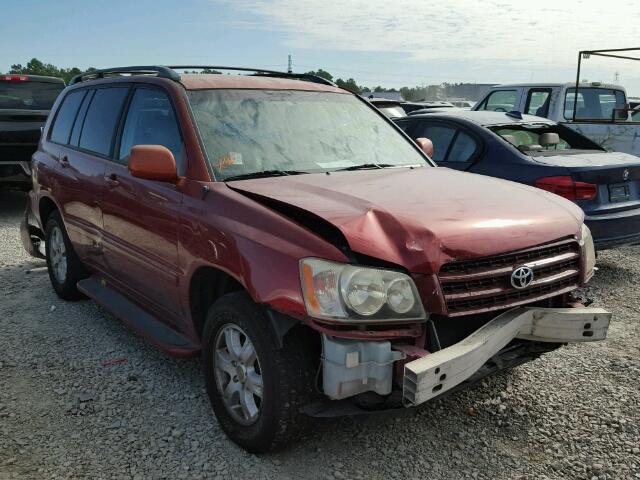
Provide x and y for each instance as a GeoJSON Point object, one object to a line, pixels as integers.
{"type": "Point", "coordinates": [423, 217]}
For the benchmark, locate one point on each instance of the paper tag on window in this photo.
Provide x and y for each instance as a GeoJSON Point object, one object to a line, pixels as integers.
{"type": "Point", "coordinates": [229, 159]}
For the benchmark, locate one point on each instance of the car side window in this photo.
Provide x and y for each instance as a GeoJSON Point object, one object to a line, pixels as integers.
{"type": "Point", "coordinates": [501, 101]}
{"type": "Point", "coordinates": [101, 120]}
{"type": "Point", "coordinates": [463, 149]}
{"type": "Point", "coordinates": [61, 130]}
{"type": "Point", "coordinates": [77, 126]}
{"type": "Point", "coordinates": [151, 121]}
{"type": "Point", "coordinates": [441, 136]}
{"type": "Point", "coordinates": [538, 100]}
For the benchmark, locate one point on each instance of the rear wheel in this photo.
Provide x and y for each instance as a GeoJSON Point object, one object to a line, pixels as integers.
{"type": "Point", "coordinates": [256, 388]}
{"type": "Point", "coordinates": [65, 269]}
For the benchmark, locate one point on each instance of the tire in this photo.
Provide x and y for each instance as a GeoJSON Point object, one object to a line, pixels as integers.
{"type": "Point", "coordinates": [287, 374]}
{"type": "Point", "coordinates": [65, 269]}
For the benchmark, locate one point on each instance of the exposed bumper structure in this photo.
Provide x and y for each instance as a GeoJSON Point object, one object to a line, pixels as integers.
{"type": "Point", "coordinates": [436, 373]}
{"type": "Point", "coordinates": [31, 236]}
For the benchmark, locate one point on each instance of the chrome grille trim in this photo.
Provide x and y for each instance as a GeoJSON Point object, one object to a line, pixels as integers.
{"type": "Point", "coordinates": [481, 285]}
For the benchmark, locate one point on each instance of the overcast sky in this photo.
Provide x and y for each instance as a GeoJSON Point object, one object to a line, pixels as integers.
{"type": "Point", "coordinates": [391, 43]}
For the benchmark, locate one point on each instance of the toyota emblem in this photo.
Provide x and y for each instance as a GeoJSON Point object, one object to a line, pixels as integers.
{"type": "Point", "coordinates": [625, 174]}
{"type": "Point", "coordinates": [521, 277]}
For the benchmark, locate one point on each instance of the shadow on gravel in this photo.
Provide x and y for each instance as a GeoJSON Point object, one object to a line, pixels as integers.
{"type": "Point", "coordinates": [12, 205]}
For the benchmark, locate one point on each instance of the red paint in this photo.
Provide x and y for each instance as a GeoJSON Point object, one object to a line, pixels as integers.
{"type": "Point", "coordinates": [148, 238]}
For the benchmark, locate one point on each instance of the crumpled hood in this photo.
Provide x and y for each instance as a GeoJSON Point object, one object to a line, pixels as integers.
{"type": "Point", "coordinates": [421, 218]}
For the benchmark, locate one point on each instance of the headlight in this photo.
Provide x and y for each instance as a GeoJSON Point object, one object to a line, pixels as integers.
{"type": "Point", "coordinates": [340, 291]}
{"type": "Point", "coordinates": [589, 251]}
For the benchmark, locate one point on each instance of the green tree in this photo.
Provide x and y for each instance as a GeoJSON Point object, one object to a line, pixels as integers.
{"type": "Point", "coordinates": [321, 73]}
{"type": "Point", "coordinates": [349, 84]}
{"type": "Point", "coordinates": [37, 67]}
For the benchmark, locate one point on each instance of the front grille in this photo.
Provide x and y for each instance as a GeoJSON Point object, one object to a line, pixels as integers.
{"type": "Point", "coordinates": [484, 284]}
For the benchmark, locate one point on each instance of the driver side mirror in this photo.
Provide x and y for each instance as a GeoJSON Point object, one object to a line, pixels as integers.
{"type": "Point", "coordinates": [426, 146]}
{"type": "Point", "coordinates": [153, 162]}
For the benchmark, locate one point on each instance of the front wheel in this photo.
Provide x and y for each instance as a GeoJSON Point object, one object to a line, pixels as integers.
{"type": "Point", "coordinates": [65, 269]}
{"type": "Point", "coordinates": [256, 388]}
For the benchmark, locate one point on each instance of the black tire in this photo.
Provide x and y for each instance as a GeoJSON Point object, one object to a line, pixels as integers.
{"type": "Point", "coordinates": [67, 287]}
{"type": "Point", "coordinates": [287, 374]}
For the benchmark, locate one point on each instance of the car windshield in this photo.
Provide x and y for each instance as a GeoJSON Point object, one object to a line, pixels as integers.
{"type": "Point", "coordinates": [246, 132]}
{"type": "Point", "coordinates": [595, 104]}
{"type": "Point", "coordinates": [28, 95]}
{"type": "Point", "coordinates": [531, 138]}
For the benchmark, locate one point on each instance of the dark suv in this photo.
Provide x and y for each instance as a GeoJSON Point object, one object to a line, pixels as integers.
{"type": "Point", "coordinates": [25, 101]}
{"type": "Point", "coordinates": [292, 236]}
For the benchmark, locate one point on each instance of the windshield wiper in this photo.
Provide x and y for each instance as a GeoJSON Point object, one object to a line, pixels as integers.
{"type": "Point", "coordinates": [365, 166]}
{"type": "Point", "coordinates": [263, 174]}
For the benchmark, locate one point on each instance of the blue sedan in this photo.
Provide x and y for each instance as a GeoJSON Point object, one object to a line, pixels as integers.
{"type": "Point", "coordinates": [538, 152]}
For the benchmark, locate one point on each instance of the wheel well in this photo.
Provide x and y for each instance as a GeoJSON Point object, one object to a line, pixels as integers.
{"type": "Point", "coordinates": [208, 284]}
{"type": "Point", "coordinates": [46, 207]}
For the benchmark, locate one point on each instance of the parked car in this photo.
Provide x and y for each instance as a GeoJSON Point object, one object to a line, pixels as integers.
{"type": "Point", "coordinates": [290, 234]}
{"type": "Point", "coordinates": [390, 108]}
{"type": "Point", "coordinates": [601, 115]}
{"type": "Point", "coordinates": [538, 152]}
{"type": "Point", "coordinates": [422, 111]}
{"type": "Point", "coordinates": [410, 107]}
{"type": "Point", "coordinates": [25, 101]}
{"type": "Point", "coordinates": [462, 103]}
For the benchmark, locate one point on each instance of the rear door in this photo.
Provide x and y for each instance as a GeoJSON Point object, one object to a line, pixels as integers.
{"type": "Point", "coordinates": [453, 145]}
{"type": "Point", "coordinates": [83, 154]}
{"type": "Point", "coordinates": [141, 217]}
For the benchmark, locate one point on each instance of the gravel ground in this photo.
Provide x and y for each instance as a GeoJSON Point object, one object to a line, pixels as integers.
{"type": "Point", "coordinates": [81, 396]}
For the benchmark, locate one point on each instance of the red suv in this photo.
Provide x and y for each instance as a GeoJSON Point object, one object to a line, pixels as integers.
{"type": "Point", "coordinates": [286, 231]}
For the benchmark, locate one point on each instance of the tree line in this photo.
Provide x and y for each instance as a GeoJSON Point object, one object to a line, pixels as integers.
{"type": "Point", "coordinates": [418, 93]}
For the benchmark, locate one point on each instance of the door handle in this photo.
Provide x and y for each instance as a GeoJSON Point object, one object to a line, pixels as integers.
{"type": "Point", "coordinates": [112, 180]}
{"type": "Point", "coordinates": [64, 161]}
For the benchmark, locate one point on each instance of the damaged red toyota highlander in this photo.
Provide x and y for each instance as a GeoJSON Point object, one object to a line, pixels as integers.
{"type": "Point", "coordinates": [292, 236]}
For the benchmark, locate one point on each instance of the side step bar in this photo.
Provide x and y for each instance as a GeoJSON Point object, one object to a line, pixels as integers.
{"type": "Point", "coordinates": [138, 319]}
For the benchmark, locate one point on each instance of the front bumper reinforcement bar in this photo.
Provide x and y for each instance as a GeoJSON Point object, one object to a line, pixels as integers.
{"type": "Point", "coordinates": [438, 372]}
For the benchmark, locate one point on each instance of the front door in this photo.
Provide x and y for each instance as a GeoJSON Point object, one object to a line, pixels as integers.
{"type": "Point", "coordinates": [141, 217]}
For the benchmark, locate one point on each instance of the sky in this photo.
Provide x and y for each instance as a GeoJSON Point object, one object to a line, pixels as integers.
{"type": "Point", "coordinates": [389, 43]}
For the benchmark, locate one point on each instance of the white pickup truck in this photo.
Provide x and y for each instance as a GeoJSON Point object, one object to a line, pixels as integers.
{"type": "Point", "coordinates": [602, 114]}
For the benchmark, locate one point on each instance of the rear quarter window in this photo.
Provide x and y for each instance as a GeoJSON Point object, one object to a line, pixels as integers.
{"type": "Point", "coordinates": [65, 117]}
{"type": "Point", "coordinates": [102, 119]}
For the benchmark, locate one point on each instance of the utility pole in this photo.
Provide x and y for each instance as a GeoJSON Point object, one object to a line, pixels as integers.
{"type": "Point", "coordinates": [616, 78]}
{"type": "Point", "coordinates": [289, 69]}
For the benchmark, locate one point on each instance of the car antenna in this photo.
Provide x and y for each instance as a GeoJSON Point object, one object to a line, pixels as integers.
{"type": "Point", "coordinates": [515, 114]}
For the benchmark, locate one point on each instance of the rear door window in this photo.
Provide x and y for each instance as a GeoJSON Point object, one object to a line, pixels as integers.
{"type": "Point", "coordinates": [501, 101]}
{"type": "Point", "coordinates": [441, 136]}
{"type": "Point", "coordinates": [151, 121]}
{"type": "Point", "coordinates": [65, 117]}
{"type": "Point", "coordinates": [102, 118]}
{"type": "Point", "coordinates": [538, 100]}
{"type": "Point", "coordinates": [463, 149]}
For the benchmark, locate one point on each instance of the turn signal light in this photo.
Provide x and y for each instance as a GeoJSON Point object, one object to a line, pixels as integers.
{"type": "Point", "coordinates": [567, 187]}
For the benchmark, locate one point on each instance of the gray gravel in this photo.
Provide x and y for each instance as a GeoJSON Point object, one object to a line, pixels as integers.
{"type": "Point", "coordinates": [81, 396]}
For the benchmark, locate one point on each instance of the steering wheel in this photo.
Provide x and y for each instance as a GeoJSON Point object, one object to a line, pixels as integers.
{"type": "Point", "coordinates": [499, 109]}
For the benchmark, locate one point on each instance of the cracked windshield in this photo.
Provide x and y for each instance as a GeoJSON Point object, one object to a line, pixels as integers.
{"type": "Point", "coordinates": [246, 132]}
